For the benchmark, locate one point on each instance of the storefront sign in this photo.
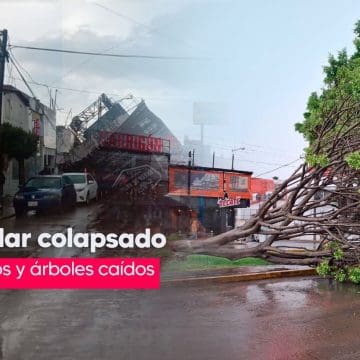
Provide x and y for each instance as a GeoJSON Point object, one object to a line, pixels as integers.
{"type": "Point", "coordinates": [128, 142]}
{"type": "Point", "coordinates": [37, 126]}
{"type": "Point", "coordinates": [229, 202]}
{"type": "Point", "coordinates": [199, 180]}
{"type": "Point", "coordinates": [208, 182]}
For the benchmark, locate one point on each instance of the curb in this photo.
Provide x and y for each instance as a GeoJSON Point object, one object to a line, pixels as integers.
{"type": "Point", "coordinates": [7, 216]}
{"type": "Point", "coordinates": [239, 277]}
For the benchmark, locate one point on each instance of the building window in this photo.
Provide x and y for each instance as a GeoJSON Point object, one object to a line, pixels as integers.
{"type": "Point", "coordinates": [238, 183]}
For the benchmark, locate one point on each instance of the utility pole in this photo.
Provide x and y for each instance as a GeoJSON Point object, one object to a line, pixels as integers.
{"type": "Point", "coordinates": [3, 58]}
{"type": "Point", "coordinates": [189, 173]}
{"type": "Point", "coordinates": [189, 180]}
{"type": "Point", "coordinates": [233, 155]}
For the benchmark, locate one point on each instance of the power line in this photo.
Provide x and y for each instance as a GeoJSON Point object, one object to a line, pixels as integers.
{"type": "Point", "coordinates": [128, 18]}
{"type": "Point", "coordinates": [267, 148]}
{"type": "Point", "coordinates": [133, 56]}
{"type": "Point", "coordinates": [28, 74]}
{"type": "Point", "coordinates": [259, 162]}
{"type": "Point", "coordinates": [68, 89]}
{"type": "Point", "coordinates": [248, 151]}
{"type": "Point", "coordinates": [87, 60]}
{"type": "Point", "coordinates": [12, 58]}
{"type": "Point", "coordinates": [30, 89]}
{"type": "Point", "coordinates": [22, 77]}
{"type": "Point", "coordinates": [20, 66]}
{"type": "Point", "coordinates": [32, 81]}
{"type": "Point", "coordinates": [149, 28]}
{"type": "Point", "coordinates": [37, 83]}
{"type": "Point", "coordinates": [256, 162]}
{"type": "Point", "coordinates": [280, 167]}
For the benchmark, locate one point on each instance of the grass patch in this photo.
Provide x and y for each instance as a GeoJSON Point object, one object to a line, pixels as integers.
{"type": "Point", "coordinates": [200, 262]}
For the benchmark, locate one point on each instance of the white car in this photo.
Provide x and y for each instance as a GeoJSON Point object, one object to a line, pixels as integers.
{"type": "Point", "coordinates": [85, 185]}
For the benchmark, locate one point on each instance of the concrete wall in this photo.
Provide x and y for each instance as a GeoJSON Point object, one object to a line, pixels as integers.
{"type": "Point", "coordinates": [16, 113]}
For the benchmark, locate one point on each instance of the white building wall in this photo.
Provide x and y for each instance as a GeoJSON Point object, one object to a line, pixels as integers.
{"type": "Point", "coordinates": [16, 113]}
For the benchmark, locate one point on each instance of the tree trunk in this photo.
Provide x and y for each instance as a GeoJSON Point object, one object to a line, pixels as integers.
{"type": "Point", "coordinates": [21, 163]}
{"type": "Point", "coordinates": [277, 256]}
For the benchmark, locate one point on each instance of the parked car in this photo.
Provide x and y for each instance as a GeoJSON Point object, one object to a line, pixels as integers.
{"type": "Point", "coordinates": [85, 185]}
{"type": "Point", "coordinates": [45, 192]}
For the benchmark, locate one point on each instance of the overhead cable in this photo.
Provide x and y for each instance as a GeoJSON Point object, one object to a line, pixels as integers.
{"type": "Point", "coordinates": [136, 56]}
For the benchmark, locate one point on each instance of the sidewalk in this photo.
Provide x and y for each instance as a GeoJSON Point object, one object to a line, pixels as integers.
{"type": "Point", "coordinates": [241, 273]}
{"type": "Point", "coordinates": [7, 209]}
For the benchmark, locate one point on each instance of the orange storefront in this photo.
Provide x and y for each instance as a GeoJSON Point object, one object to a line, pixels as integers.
{"type": "Point", "coordinates": [201, 188]}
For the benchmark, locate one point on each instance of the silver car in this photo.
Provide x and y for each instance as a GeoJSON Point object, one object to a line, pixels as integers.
{"type": "Point", "coordinates": [85, 185]}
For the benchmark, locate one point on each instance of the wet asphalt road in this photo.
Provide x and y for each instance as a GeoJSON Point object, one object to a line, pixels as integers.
{"type": "Point", "coordinates": [78, 219]}
{"type": "Point", "coordinates": [279, 319]}
{"type": "Point", "coordinates": [51, 222]}
{"type": "Point", "coordinates": [282, 319]}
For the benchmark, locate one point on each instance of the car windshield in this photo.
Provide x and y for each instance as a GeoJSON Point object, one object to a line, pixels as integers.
{"type": "Point", "coordinates": [77, 179]}
{"type": "Point", "coordinates": [44, 183]}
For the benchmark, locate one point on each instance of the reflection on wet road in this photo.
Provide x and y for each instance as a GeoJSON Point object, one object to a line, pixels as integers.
{"type": "Point", "coordinates": [51, 222]}
{"type": "Point", "coordinates": [280, 319]}
{"type": "Point", "coordinates": [78, 219]}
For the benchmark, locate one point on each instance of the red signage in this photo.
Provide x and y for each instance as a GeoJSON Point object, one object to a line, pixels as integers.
{"type": "Point", "coordinates": [129, 142]}
{"type": "Point", "coordinates": [37, 127]}
{"type": "Point", "coordinates": [229, 202]}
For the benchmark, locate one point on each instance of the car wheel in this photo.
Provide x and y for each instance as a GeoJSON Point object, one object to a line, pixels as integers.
{"type": "Point", "coordinates": [88, 199]}
{"type": "Point", "coordinates": [19, 212]}
{"type": "Point", "coordinates": [62, 207]}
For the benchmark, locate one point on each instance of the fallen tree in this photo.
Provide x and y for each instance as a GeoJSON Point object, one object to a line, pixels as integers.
{"type": "Point", "coordinates": [321, 199]}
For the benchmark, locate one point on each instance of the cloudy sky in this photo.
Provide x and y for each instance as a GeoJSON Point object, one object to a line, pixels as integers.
{"type": "Point", "coordinates": [258, 59]}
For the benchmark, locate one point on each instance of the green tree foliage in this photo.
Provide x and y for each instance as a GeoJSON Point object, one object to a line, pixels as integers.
{"type": "Point", "coordinates": [341, 83]}
{"type": "Point", "coordinates": [322, 197]}
{"type": "Point", "coordinates": [17, 144]}
{"type": "Point", "coordinates": [337, 267]}
{"type": "Point", "coordinates": [338, 272]}
{"type": "Point", "coordinates": [353, 160]}
{"type": "Point", "coordinates": [336, 108]}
